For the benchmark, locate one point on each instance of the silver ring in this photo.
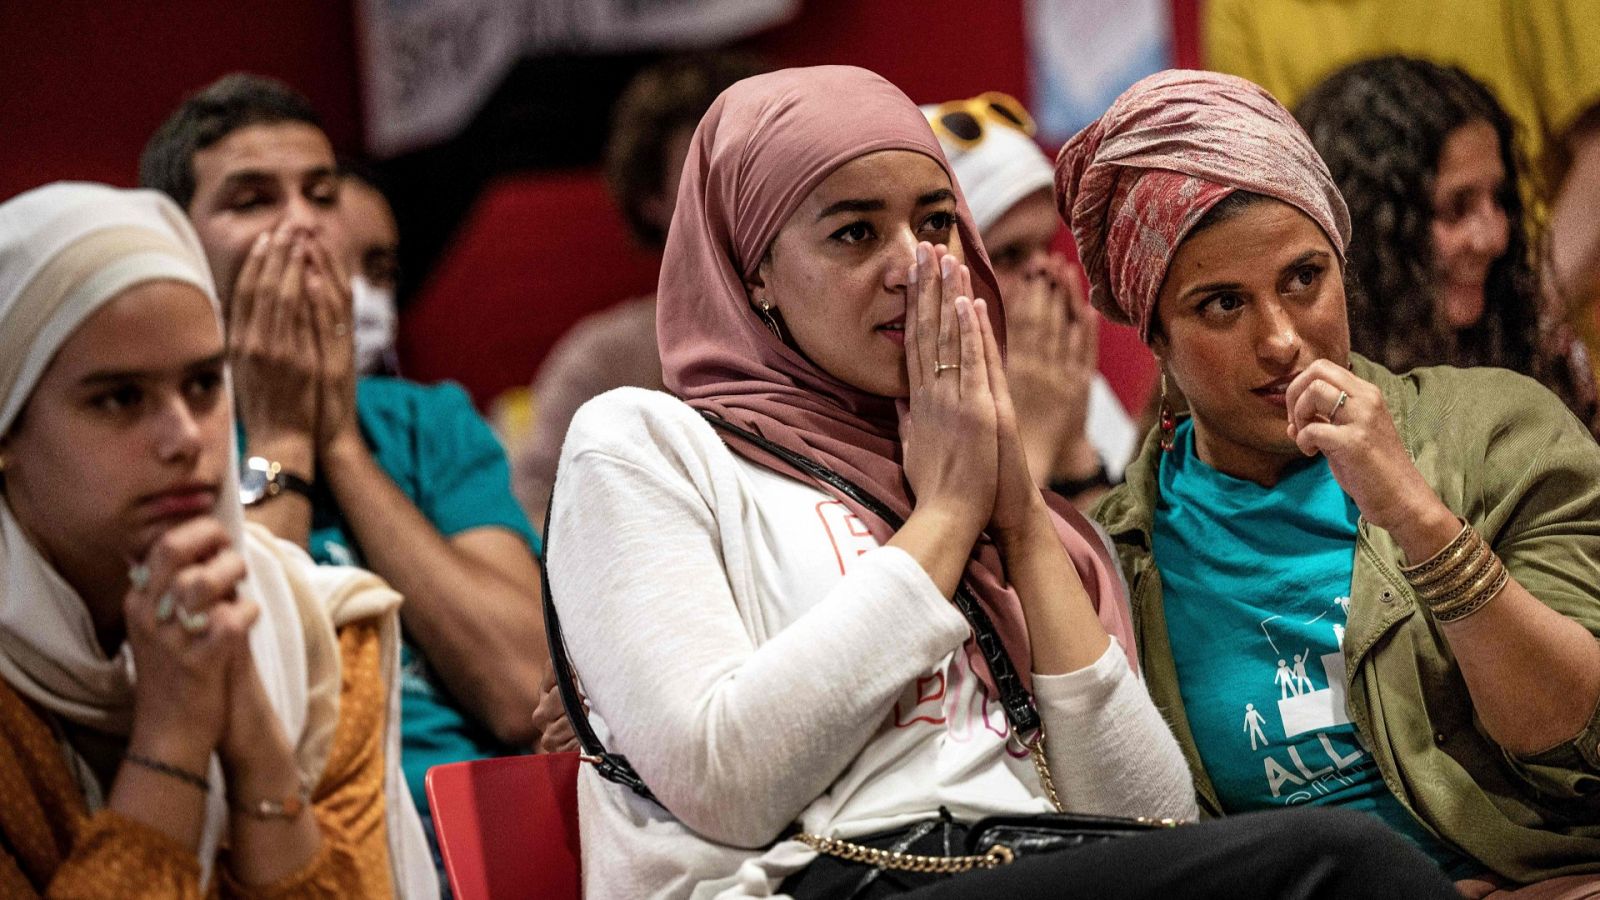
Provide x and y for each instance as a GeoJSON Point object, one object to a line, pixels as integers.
{"type": "Point", "coordinates": [194, 623]}
{"type": "Point", "coordinates": [166, 607]}
{"type": "Point", "coordinates": [138, 576]}
{"type": "Point", "coordinates": [1337, 405]}
{"type": "Point", "coordinates": [939, 368]}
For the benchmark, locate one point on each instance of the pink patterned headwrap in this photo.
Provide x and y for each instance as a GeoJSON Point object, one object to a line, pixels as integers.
{"type": "Point", "coordinates": [758, 153]}
{"type": "Point", "coordinates": [1133, 183]}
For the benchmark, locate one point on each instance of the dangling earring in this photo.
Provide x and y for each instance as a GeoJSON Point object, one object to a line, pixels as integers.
{"type": "Point", "coordinates": [1168, 424]}
{"type": "Point", "coordinates": [770, 317]}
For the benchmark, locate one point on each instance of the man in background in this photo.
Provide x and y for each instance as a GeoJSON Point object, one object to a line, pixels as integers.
{"type": "Point", "coordinates": [401, 478]}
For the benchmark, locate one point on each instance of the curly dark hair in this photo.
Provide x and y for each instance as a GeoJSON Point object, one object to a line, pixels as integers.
{"type": "Point", "coordinates": [1381, 125]}
{"type": "Point", "coordinates": [660, 101]}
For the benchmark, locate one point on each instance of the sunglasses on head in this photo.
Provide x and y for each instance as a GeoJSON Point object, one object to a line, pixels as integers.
{"type": "Point", "coordinates": [962, 121]}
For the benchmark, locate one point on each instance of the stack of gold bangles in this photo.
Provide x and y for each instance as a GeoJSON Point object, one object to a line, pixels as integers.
{"type": "Point", "coordinates": [1460, 579]}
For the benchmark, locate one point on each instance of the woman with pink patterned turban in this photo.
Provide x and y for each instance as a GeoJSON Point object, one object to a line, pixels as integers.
{"type": "Point", "coordinates": [1351, 588]}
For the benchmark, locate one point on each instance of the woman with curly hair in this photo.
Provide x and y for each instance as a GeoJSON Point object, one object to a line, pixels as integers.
{"type": "Point", "coordinates": [1426, 159]}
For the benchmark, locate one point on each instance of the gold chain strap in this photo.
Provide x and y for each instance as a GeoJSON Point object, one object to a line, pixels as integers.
{"type": "Point", "coordinates": [1036, 750]}
{"type": "Point", "coordinates": [998, 855]}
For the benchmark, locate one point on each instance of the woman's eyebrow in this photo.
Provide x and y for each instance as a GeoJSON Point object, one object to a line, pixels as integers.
{"type": "Point", "coordinates": [862, 205]}
{"type": "Point", "coordinates": [106, 376]}
{"type": "Point", "coordinates": [844, 206]}
{"type": "Point", "coordinates": [1211, 286]}
{"type": "Point", "coordinates": [1309, 256]}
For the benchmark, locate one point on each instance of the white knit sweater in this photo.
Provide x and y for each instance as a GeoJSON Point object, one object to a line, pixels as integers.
{"type": "Point", "coordinates": [761, 660]}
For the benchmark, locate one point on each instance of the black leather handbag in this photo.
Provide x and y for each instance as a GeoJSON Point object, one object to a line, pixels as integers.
{"type": "Point", "coordinates": [992, 841]}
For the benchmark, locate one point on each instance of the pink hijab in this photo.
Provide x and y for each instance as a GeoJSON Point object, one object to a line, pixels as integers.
{"type": "Point", "coordinates": [1133, 183]}
{"type": "Point", "coordinates": [758, 153]}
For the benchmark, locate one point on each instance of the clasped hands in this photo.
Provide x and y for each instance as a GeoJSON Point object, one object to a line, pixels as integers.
{"type": "Point", "coordinates": [197, 690]}
{"type": "Point", "coordinates": [291, 347]}
{"type": "Point", "coordinates": [958, 428]}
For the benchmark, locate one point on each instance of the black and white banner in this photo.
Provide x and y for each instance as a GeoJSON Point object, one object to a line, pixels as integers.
{"type": "Point", "coordinates": [429, 65]}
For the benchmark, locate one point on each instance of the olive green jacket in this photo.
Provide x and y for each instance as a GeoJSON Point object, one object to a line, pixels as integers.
{"type": "Point", "coordinates": [1503, 453]}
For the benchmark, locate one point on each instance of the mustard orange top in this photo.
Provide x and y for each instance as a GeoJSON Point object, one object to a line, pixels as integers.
{"type": "Point", "coordinates": [51, 846]}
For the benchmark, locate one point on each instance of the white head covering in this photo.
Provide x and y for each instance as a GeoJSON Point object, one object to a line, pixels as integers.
{"type": "Point", "coordinates": [66, 250]}
{"type": "Point", "coordinates": [1004, 166]}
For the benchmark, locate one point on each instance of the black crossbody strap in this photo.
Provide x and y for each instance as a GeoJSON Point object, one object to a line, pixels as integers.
{"type": "Point", "coordinates": [1014, 698]}
{"type": "Point", "coordinates": [614, 767]}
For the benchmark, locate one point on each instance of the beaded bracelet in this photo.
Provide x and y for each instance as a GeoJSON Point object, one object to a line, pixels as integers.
{"type": "Point", "coordinates": [171, 771]}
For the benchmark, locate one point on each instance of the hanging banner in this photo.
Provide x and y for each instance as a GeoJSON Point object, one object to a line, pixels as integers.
{"type": "Point", "coordinates": [428, 66]}
{"type": "Point", "coordinates": [611, 26]}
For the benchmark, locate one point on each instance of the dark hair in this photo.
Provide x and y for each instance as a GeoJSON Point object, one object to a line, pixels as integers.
{"type": "Point", "coordinates": [1227, 208]}
{"type": "Point", "coordinates": [1381, 125]}
{"type": "Point", "coordinates": [363, 172]}
{"type": "Point", "coordinates": [659, 102]}
{"type": "Point", "coordinates": [226, 105]}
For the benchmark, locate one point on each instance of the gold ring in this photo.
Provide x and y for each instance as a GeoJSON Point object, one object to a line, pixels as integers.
{"type": "Point", "coordinates": [939, 368]}
{"type": "Point", "coordinates": [1337, 405]}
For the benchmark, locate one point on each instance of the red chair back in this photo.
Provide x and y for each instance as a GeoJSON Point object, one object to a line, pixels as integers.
{"type": "Point", "coordinates": [508, 827]}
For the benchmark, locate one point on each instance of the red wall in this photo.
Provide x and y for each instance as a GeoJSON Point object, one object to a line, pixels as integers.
{"type": "Point", "coordinates": [87, 81]}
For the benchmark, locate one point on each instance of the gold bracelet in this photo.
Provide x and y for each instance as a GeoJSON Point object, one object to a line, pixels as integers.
{"type": "Point", "coordinates": [1466, 589]}
{"type": "Point", "coordinates": [1479, 601]}
{"type": "Point", "coordinates": [1420, 573]}
{"type": "Point", "coordinates": [1453, 580]}
{"type": "Point", "coordinates": [1484, 589]}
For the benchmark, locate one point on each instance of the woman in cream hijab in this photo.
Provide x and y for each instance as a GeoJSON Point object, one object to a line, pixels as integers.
{"type": "Point", "coordinates": [188, 707]}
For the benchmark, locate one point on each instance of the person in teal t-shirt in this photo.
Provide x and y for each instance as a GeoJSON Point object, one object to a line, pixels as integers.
{"type": "Point", "coordinates": [1257, 593]}
{"type": "Point", "coordinates": [403, 479]}
{"type": "Point", "coordinates": [441, 454]}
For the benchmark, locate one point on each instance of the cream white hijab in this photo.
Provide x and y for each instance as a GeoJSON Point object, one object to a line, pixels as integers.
{"type": "Point", "coordinates": [67, 249]}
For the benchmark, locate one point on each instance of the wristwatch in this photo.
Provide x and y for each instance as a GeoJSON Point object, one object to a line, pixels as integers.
{"type": "Point", "coordinates": [262, 479]}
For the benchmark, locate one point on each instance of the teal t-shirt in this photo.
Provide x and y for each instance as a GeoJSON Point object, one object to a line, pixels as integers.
{"type": "Point", "coordinates": [443, 457]}
{"type": "Point", "coordinates": [1256, 591]}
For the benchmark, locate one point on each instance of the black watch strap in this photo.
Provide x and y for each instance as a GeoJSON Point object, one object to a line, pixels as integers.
{"type": "Point", "coordinates": [261, 479]}
{"type": "Point", "coordinates": [288, 481]}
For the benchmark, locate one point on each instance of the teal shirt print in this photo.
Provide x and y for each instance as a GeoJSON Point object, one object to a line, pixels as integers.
{"type": "Point", "coordinates": [1256, 587]}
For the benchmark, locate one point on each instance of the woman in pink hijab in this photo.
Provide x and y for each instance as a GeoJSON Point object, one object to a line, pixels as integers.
{"type": "Point", "coordinates": [757, 571]}
{"type": "Point", "coordinates": [1354, 588]}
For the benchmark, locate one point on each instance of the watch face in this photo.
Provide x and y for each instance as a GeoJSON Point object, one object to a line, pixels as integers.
{"type": "Point", "coordinates": [254, 480]}
{"type": "Point", "coordinates": [252, 486]}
